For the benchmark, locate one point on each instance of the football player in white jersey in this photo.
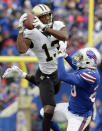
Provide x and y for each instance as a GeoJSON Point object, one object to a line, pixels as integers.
{"type": "Point", "coordinates": [44, 40]}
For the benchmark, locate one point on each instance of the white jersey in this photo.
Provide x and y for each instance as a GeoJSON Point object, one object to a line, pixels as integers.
{"type": "Point", "coordinates": [44, 47]}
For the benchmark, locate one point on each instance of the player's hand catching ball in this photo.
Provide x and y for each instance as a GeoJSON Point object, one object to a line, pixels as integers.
{"type": "Point", "coordinates": [21, 20]}
{"type": "Point", "coordinates": [62, 49]}
{"type": "Point", "coordinates": [38, 24]}
{"type": "Point", "coordinates": [14, 72]}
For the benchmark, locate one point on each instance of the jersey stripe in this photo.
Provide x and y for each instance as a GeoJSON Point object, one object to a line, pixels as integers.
{"type": "Point", "coordinates": [83, 124]}
{"type": "Point", "coordinates": [87, 78]}
{"type": "Point", "coordinates": [89, 75]}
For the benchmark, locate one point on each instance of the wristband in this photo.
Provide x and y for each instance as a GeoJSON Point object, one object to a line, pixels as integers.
{"type": "Point", "coordinates": [24, 75]}
{"type": "Point", "coordinates": [20, 31]}
{"type": "Point", "coordinates": [65, 55]}
{"type": "Point", "coordinates": [44, 29]}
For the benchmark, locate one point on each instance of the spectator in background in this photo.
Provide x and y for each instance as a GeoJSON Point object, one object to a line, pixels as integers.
{"type": "Point", "coordinates": [13, 91]}
{"type": "Point", "coordinates": [70, 22]}
{"type": "Point", "coordinates": [97, 24]}
{"type": "Point", "coordinates": [9, 49]}
{"type": "Point", "coordinates": [35, 119]}
{"type": "Point", "coordinates": [74, 13]}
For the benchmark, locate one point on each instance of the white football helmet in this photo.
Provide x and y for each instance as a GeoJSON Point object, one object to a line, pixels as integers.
{"type": "Point", "coordinates": [88, 57]}
{"type": "Point", "coordinates": [42, 9]}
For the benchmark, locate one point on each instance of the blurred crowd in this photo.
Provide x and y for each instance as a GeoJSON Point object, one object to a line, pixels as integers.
{"type": "Point", "coordinates": [74, 13]}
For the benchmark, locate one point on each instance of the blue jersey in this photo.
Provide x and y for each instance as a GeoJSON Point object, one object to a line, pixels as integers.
{"type": "Point", "coordinates": [84, 84]}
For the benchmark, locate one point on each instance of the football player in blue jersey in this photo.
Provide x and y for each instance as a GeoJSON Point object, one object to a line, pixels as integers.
{"type": "Point", "coordinates": [84, 81]}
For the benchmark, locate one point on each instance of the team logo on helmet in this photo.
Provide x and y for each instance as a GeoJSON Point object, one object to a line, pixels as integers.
{"type": "Point", "coordinates": [91, 55]}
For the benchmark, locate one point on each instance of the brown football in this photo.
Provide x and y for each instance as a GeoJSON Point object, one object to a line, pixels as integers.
{"type": "Point", "coordinates": [28, 23]}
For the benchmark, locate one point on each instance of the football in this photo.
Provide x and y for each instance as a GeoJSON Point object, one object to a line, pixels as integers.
{"type": "Point", "coordinates": [28, 23]}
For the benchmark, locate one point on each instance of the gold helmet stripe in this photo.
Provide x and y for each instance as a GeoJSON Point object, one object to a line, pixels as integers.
{"type": "Point", "coordinates": [40, 10]}
{"type": "Point", "coordinates": [43, 7]}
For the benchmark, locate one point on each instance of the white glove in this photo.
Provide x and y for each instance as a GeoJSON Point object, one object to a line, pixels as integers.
{"type": "Point", "coordinates": [14, 72]}
{"type": "Point", "coordinates": [38, 24]}
{"type": "Point", "coordinates": [62, 49]}
{"type": "Point", "coordinates": [20, 23]}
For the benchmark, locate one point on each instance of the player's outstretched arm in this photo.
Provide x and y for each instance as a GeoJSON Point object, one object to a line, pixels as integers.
{"type": "Point", "coordinates": [16, 72]}
{"type": "Point", "coordinates": [63, 75]}
{"type": "Point", "coordinates": [62, 52]}
{"type": "Point", "coordinates": [72, 62]}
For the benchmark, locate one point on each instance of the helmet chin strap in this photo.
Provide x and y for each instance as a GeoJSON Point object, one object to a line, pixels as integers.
{"type": "Point", "coordinates": [50, 24]}
{"type": "Point", "coordinates": [83, 65]}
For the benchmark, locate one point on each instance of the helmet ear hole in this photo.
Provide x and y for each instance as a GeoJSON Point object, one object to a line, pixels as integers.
{"type": "Point", "coordinates": [80, 58]}
{"type": "Point", "coordinates": [87, 62]}
{"type": "Point", "coordinates": [50, 13]}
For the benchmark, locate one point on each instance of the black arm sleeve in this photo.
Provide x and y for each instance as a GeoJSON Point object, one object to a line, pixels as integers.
{"type": "Point", "coordinates": [32, 80]}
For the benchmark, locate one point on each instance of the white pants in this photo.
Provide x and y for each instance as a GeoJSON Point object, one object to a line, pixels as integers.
{"type": "Point", "coordinates": [75, 122]}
